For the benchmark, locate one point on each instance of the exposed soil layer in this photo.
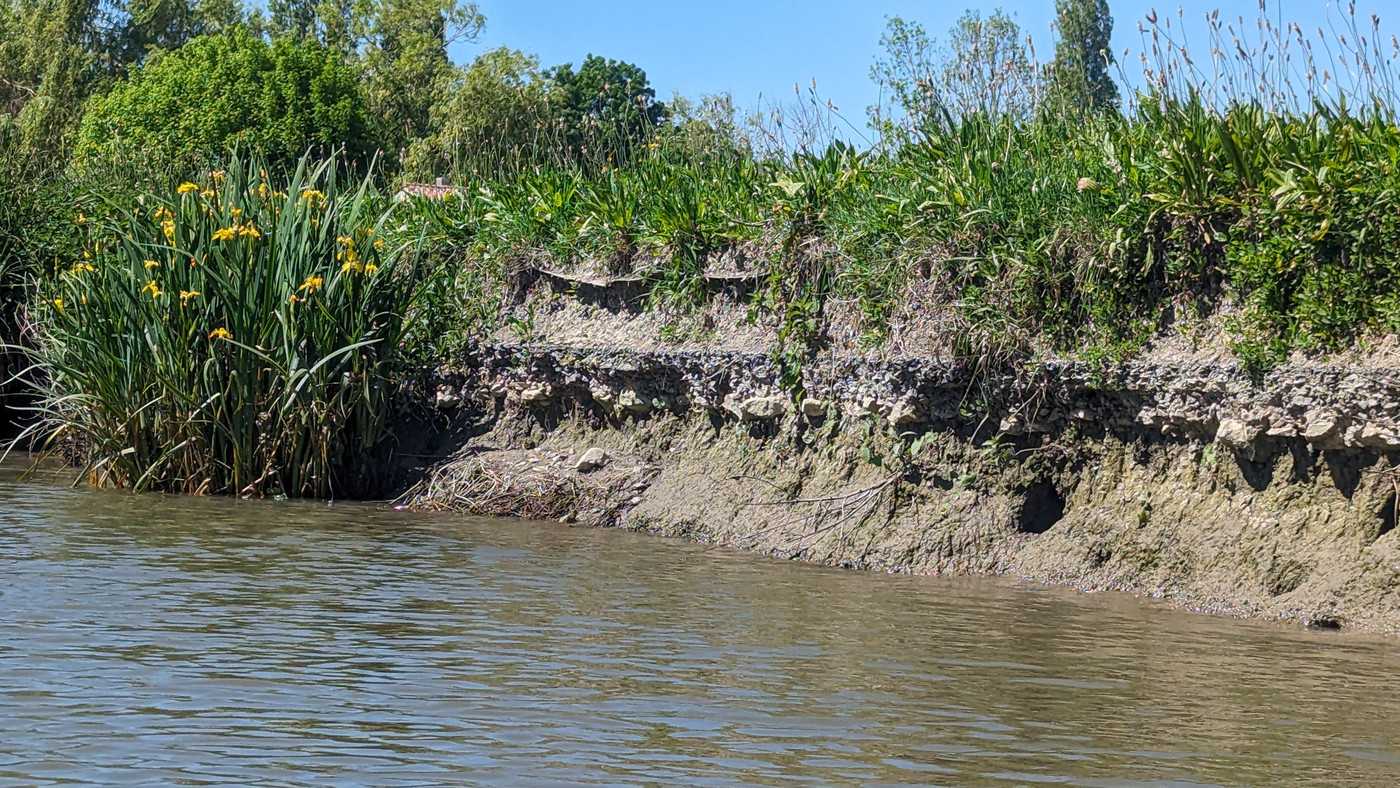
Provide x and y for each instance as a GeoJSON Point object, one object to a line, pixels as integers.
{"type": "Point", "coordinates": [1188, 482]}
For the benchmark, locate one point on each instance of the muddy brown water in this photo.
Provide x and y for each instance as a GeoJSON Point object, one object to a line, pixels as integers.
{"type": "Point", "coordinates": [160, 641]}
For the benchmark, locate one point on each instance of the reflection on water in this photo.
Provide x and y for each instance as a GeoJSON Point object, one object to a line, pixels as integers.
{"type": "Point", "coordinates": [157, 641]}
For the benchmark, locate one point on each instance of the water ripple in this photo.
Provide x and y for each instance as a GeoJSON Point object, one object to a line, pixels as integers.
{"type": "Point", "coordinates": [151, 640]}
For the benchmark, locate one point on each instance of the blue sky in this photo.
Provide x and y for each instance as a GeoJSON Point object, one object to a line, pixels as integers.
{"type": "Point", "coordinates": [766, 46]}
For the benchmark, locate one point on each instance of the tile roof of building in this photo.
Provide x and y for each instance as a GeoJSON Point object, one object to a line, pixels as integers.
{"type": "Point", "coordinates": [427, 191]}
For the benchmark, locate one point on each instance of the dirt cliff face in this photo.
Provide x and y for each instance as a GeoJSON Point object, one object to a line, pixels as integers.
{"type": "Point", "coordinates": [1190, 482]}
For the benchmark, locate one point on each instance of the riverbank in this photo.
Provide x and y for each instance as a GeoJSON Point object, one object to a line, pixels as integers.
{"type": "Point", "coordinates": [1187, 481]}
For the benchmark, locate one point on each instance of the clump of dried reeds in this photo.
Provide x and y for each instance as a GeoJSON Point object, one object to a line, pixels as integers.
{"type": "Point", "coordinates": [483, 485]}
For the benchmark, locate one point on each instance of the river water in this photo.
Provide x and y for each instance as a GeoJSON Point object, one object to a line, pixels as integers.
{"type": "Point", "coordinates": [158, 641]}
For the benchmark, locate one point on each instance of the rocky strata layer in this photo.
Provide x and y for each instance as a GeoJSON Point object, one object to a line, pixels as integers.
{"type": "Point", "coordinates": [1190, 482]}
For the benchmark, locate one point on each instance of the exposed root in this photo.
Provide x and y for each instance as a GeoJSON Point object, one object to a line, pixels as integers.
{"type": "Point", "coordinates": [826, 514]}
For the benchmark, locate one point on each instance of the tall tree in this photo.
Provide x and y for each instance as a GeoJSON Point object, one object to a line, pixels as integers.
{"type": "Point", "coordinates": [401, 46]}
{"type": "Point", "coordinates": [340, 24]}
{"type": "Point", "coordinates": [983, 69]}
{"type": "Point", "coordinates": [49, 55]}
{"type": "Point", "coordinates": [1081, 73]}
{"type": "Point", "coordinates": [491, 115]}
{"type": "Point", "coordinates": [146, 26]}
{"type": "Point", "coordinates": [605, 106]}
{"type": "Point", "coordinates": [985, 66]}
{"type": "Point", "coordinates": [406, 62]}
{"type": "Point", "coordinates": [54, 53]}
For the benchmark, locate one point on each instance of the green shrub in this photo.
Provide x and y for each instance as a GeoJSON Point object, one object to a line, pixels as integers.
{"type": "Point", "coordinates": [229, 336]}
{"type": "Point", "coordinates": [603, 109]}
{"type": "Point", "coordinates": [502, 116]}
{"type": "Point", "coordinates": [231, 91]}
{"type": "Point", "coordinates": [492, 119]}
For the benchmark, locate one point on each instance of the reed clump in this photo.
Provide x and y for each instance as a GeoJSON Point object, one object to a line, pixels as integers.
{"type": "Point", "coordinates": [529, 487]}
{"type": "Point", "coordinates": [232, 334]}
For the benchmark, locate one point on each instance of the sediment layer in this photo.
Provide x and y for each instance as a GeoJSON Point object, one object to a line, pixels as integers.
{"type": "Point", "coordinates": [1190, 482]}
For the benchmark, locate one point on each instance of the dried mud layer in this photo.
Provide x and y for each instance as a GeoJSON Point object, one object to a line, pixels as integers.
{"type": "Point", "coordinates": [1188, 482]}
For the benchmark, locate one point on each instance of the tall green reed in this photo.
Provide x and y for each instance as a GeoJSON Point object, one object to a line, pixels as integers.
{"type": "Point", "coordinates": [234, 334]}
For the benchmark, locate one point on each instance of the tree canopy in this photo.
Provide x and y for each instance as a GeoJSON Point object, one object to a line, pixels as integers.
{"type": "Point", "coordinates": [983, 68]}
{"type": "Point", "coordinates": [503, 110]}
{"type": "Point", "coordinates": [1082, 71]}
{"type": "Point", "coordinates": [491, 115]}
{"type": "Point", "coordinates": [232, 91]}
{"type": "Point", "coordinates": [603, 101]}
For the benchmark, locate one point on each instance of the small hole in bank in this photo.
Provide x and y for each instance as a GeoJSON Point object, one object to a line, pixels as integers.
{"type": "Point", "coordinates": [1042, 508]}
{"type": "Point", "coordinates": [1387, 517]}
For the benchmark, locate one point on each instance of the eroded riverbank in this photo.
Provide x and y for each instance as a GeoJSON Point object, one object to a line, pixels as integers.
{"type": "Point", "coordinates": [1189, 482]}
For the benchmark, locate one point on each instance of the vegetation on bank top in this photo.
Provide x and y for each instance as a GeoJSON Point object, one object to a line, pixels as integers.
{"type": "Point", "coordinates": [1038, 208]}
{"type": "Point", "coordinates": [1032, 207]}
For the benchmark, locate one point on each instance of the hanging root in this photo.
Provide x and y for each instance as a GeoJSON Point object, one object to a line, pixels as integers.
{"type": "Point", "coordinates": [814, 517]}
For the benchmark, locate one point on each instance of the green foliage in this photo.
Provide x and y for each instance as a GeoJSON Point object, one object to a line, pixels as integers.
{"type": "Point", "coordinates": [1315, 252]}
{"type": "Point", "coordinates": [606, 104]}
{"type": "Point", "coordinates": [492, 120]}
{"type": "Point", "coordinates": [45, 71]}
{"type": "Point", "coordinates": [54, 53]}
{"type": "Point", "coordinates": [400, 47]}
{"type": "Point", "coordinates": [37, 213]}
{"type": "Point", "coordinates": [163, 25]}
{"type": "Point", "coordinates": [983, 69]}
{"type": "Point", "coordinates": [406, 65]}
{"type": "Point", "coordinates": [1081, 74]}
{"type": "Point", "coordinates": [907, 73]}
{"type": "Point", "coordinates": [502, 115]}
{"type": "Point", "coordinates": [988, 70]}
{"type": "Point", "coordinates": [226, 336]}
{"type": "Point", "coordinates": [231, 91]}
{"type": "Point", "coordinates": [336, 23]}
{"type": "Point", "coordinates": [465, 291]}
